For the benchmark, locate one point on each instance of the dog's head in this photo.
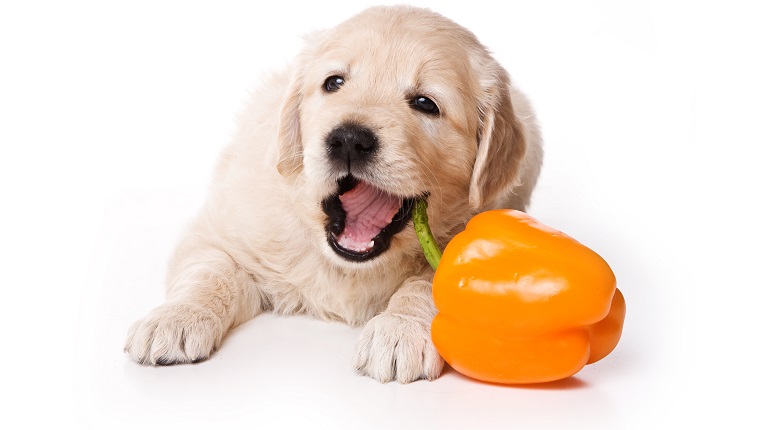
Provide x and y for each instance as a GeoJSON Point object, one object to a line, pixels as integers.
{"type": "Point", "coordinates": [393, 105]}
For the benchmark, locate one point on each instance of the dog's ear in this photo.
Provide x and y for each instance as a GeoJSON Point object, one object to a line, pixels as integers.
{"type": "Point", "coordinates": [289, 132]}
{"type": "Point", "coordinates": [501, 142]}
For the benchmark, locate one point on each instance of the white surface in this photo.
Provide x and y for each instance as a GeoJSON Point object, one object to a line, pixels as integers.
{"type": "Point", "coordinates": [112, 117]}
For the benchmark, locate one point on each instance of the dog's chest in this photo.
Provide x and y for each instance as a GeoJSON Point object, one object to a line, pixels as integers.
{"type": "Point", "coordinates": [330, 296]}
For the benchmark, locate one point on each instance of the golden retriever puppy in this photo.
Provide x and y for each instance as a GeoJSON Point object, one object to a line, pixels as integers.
{"type": "Point", "coordinates": [309, 210]}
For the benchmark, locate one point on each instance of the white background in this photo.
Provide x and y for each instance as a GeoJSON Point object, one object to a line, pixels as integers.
{"type": "Point", "coordinates": [111, 119]}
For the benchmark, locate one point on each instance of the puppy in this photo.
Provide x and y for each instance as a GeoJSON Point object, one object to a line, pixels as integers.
{"type": "Point", "coordinates": [309, 209]}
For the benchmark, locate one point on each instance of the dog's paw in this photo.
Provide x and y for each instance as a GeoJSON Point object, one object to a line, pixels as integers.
{"type": "Point", "coordinates": [397, 347]}
{"type": "Point", "coordinates": [174, 333]}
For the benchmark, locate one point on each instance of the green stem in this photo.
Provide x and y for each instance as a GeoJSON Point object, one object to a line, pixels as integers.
{"type": "Point", "coordinates": [424, 235]}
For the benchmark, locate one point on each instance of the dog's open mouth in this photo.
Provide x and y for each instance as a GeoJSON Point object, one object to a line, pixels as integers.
{"type": "Point", "coordinates": [363, 219]}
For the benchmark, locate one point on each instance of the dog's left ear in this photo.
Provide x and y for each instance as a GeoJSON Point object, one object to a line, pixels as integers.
{"type": "Point", "coordinates": [289, 133]}
{"type": "Point", "coordinates": [501, 142]}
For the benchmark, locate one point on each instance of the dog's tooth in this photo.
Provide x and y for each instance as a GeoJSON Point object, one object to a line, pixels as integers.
{"type": "Point", "coordinates": [343, 242]}
{"type": "Point", "coordinates": [371, 244]}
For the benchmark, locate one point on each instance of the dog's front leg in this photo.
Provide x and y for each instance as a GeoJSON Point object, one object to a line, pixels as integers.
{"type": "Point", "coordinates": [396, 344]}
{"type": "Point", "coordinates": [207, 294]}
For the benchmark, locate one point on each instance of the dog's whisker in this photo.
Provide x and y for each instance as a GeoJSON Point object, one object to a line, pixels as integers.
{"type": "Point", "coordinates": [432, 178]}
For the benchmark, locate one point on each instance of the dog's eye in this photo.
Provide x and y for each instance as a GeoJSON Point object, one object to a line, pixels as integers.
{"type": "Point", "coordinates": [424, 105]}
{"type": "Point", "coordinates": [333, 83]}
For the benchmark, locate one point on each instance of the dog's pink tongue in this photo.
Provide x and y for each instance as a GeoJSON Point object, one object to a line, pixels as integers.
{"type": "Point", "coordinates": [368, 211]}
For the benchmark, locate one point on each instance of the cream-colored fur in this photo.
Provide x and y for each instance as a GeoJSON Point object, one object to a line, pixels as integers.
{"type": "Point", "coordinates": [259, 243]}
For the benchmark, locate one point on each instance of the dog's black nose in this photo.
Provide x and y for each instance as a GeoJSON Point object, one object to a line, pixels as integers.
{"type": "Point", "coordinates": [351, 145]}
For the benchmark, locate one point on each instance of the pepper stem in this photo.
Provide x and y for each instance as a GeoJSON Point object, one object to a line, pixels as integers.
{"type": "Point", "coordinates": [424, 235]}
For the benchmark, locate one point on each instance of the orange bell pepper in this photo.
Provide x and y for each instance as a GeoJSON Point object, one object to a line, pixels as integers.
{"type": "Point", "coordinates": [520, 302]}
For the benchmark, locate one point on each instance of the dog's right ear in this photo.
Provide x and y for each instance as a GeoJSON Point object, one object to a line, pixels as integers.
{"type": "Point", "coordinates": [290, 159]}
{"type": "Point", "coordinates": [289, 133]}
